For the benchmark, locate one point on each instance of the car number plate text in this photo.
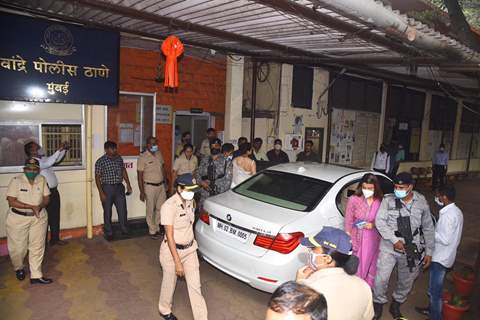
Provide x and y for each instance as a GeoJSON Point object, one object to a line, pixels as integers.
{"type": "Point", "coordinates": [230, 231]}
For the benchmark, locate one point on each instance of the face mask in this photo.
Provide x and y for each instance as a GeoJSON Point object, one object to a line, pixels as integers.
{"type": "Point", "coordinates": [278, 147]}
{"type": "Point", "coordinates": [437, 201]}
{"type": "Point", "coordinates": [441, 149]}
{"type": "Point", "coordinates": [187, 195]}
{"type": "Point", "coordinates": [400, 194]}
{"type": "Point", "coordinates": [154, 148]}
{"type": "Point", "coordinates": [367, 193]}
{"type": "Point", "coordinates": [40, 152]}
{"type": "Point", "coordinates": [230, 157]}
{"type": "Point", "coordinates": [31, 175]}
{"type": "Point", "coordinates": [215, 151]}
{"type": "Point", "coordinates": [312, 259]}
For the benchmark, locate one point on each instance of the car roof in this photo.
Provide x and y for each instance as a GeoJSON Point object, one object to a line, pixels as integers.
{"type": "Point", "coordinates": [321, 171]}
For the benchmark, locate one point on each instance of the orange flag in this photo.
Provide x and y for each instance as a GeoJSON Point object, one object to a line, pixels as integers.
{"type": "Point", "coordinates": [172, 48]}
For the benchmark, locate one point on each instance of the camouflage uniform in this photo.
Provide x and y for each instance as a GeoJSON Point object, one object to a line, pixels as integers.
{"type": "Point", "coordinates": [221, 169]}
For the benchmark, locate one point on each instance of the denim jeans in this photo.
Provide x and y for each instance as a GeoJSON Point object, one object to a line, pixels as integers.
{"type": "Point", "coordinates": [435, 288]}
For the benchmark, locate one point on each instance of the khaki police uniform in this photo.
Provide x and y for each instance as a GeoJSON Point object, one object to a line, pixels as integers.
{"type": "Point", "coordinates": [183, 165]}
{"type": "Point", "coordinates": [181, 216]}
{"type": "Point", "coordinates": [27, 232]}
{"type": "Point", "coordinates": [154, 186]}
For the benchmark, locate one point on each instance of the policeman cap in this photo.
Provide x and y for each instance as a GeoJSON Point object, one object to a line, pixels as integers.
{"type": "Point", "coordinates": [215, 141]}
{"type": "Point", "coordinates": [32, 163]}
{"type": "Point", "coordinates": [187, 182]}
{"type": "Point", "coordinates": [403, 178]}
{"type": "Point", "coordinates": [331, 238]}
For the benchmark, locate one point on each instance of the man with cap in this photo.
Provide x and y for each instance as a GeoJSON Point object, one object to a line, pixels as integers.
{"type": "Point", "coordinates": [152, 184]}
{"type": "Point", "coordinates": [214, 173]}
{"type": "Point", "coordinates": [178, 252]}
{"type": "Point", "coordinates": [405, 223]}
{"type": "Point", "coordinates": [331, 271]}
{"type": "Point", "coordinates": [28, 196]}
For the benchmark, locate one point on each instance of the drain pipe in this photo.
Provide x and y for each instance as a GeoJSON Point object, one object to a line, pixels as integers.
{"type": "Point", "coordinates": [401, 26]}
{"type": "Point", "coordinates": [89, 169]}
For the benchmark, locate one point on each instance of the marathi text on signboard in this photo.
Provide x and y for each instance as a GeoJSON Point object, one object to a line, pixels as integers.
{"type": "Point", "coordinates": [42, 60]}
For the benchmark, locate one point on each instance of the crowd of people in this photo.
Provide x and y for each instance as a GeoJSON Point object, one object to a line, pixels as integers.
{"type": "Point", "coordinates": [350, 267]}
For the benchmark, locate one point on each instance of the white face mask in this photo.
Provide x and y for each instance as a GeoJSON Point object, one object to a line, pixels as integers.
{"type": "Point", "coordinates": [367, 193]}
{"type": "Point", "coordinates": [187, 195]}
{"type": "Point", "coordinates": [278, 147]}
{"type": "Point", "coordinates": [437, 201]}
{"type": "Point", "coordinates": [312, 259]}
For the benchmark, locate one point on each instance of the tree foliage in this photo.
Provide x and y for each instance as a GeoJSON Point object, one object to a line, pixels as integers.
{"type": "Point", "coordinates": [470, 8]}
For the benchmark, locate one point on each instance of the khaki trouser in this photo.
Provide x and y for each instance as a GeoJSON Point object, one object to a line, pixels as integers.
{"type": "Point", "coordinates": [192, 276]}
{"type": "Point", "coordinates": [27, 234]}
{"type": "Point", "coordinates": [154, 197]}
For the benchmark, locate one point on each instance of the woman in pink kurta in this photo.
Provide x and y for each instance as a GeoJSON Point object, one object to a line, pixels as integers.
{"type": "Point", "coordinates": [362, 209]}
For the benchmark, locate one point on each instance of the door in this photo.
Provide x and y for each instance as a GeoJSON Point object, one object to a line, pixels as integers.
{"type": "Point", "coordinates": [316, 136]}
{"type": "Point", "coordinates": [196, 124]}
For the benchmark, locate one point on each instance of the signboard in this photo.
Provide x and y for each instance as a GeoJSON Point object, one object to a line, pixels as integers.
{"type": "Point", "coordinates": [49, 61]}
{"type": "Point", "coordinates": [163, 114]}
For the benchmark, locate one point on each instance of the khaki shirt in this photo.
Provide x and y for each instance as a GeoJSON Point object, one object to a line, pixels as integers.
{"type": "Point", "coordinates": [182, 165]}
{"type": "Point", "coordinates": [152, 166]}
{"type": "Point", "coordinates": [20, 188]}
{"type": "Point", "coordinates": [205, 148]}
{"type": "Point", "coordinates": [348, 297]}
{"type": "Point", "coordinates": [181, 216]}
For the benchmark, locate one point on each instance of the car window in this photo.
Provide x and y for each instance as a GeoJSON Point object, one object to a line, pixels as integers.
{"type": "Point", "coordinates": [285, 190]}
{"type": "Point", "coordinates": [342, 196]}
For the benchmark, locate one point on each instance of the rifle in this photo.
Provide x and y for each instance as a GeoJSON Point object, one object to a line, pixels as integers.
{"type": "Point", "coordinates": [405, 231]}
{"type": "Point", "coordinates": [211, 176]}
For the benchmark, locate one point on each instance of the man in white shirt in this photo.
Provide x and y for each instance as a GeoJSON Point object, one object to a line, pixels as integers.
{"type": "Point", "coordinates": [32, 149]}
{"type": "Point", "coordinates": [381, 161]}
{"type": "Point", "coordinates": [448, 233]}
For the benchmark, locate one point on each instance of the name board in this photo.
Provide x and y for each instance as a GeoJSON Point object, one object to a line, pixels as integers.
{"type": "Point", "coordinates": [48, 61]}
{"type": "Point", "coordinates": [163, 114]}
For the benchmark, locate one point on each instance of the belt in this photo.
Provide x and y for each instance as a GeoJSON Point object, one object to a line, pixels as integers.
{"type": "Point", "coordinates": [155, 184]}
{"type": "Point", "coordinates": [54, 188]}
{"type": "Point", "coordinates": [26, 214]}
{"type": "Point", "coordinates": [184, 246]}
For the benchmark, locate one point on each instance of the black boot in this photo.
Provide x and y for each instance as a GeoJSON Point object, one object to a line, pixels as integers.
{"type": "Point", "coordinates": [395, 310]}
{"type": "Point", "coordinates": [378, 308]}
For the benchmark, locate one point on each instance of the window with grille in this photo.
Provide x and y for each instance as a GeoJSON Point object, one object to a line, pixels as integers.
{"type": "Point", "coordinates": [53, 135]}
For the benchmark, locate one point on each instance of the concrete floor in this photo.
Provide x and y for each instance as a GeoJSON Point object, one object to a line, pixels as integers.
{"type": "Point", "coordinates": [121, 280]}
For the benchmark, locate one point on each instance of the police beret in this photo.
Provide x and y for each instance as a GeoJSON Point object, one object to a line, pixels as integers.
{"type": "Point", "coordinates": [403, 178]}
{"type": "Point", "coordinates": [32, 162]}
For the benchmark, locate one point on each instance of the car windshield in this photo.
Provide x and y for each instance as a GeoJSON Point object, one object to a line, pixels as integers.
{"type": "Point", "coordinates": [285, 190]}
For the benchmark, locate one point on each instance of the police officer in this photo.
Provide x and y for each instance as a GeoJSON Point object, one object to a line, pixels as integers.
{"type": "Point", "coordinates": [178, 252]}
{"type": "Point", "coordinates": [402, 210]}
{"type": "Point", "coordinates": [151, 182]}
{"type": "Point", "coordinates": [214, 173]}
{"type": "Point", "coordinates": [27, 196]}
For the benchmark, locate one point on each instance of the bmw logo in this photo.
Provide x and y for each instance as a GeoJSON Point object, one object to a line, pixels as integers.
{"type": "Point", "coordinates": [229, 217]}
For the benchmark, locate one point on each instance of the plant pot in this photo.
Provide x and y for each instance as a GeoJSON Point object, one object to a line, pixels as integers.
{"type": "Point", "coordinates": [451, 312]}
{"type": "Point", "coordinates": [463, 286]}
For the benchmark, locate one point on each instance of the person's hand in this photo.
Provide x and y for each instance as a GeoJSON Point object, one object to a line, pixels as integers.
{"type": "Point", "coordinates": [205, 184]}
{"type": "Point", "coordinates": [36, 211]}
{"type": "Point", "coordinates": [142, 196]}
{"type": "Point", "coordinates": [103, 196]}
{"type": "Point", "coordinates": [65, 146]}
{"type": "Point", "coordinates": [369, 226]}
{"type": "Point", "coordinates": [304, 272]}
{"type": "Point", "coordinates": [179, 271]}
{"type": "Point", "coordinates": [399, 246]}
{"type": "Point", "coordinates": [129, 189]}
{"type": "Point", "coordinates": [427, 261]}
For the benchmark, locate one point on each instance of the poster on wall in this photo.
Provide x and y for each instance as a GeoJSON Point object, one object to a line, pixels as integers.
{"type": "Point", "coordinates": [343, 136]}
{"type": "Point", "coordinates": [293, 142]}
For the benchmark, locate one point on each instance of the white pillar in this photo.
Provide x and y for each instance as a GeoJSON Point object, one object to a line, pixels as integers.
{"type": "Point", "coordinates": [456, 132]}
{"type": "Point", "coordinates": [233, 98]}
{"type": "Point", "coordinates": [383, 112]}
{"type": "Point", "coordinates": [424, 137]}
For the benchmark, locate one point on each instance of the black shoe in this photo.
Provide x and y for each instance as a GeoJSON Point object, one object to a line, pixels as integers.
{"type": "Point", "coordinates": [169, 316]}
{"type": "Point", "coordinates": [108, 237]}
{"type": "Point", "coordinates": [395, 310]}
{"type": "Point", "coordinates": [41, 281]}
{"type": "Point", "coordinates": [155, 236]}
{"type": "Point", "coordinates": [423, 311]}
{"type": "Point", "coordinates": [20, 274]}
{"type": "Point", "coordinates": [58, 242]}
{"type": "Point", "coordinates": [378, 309]}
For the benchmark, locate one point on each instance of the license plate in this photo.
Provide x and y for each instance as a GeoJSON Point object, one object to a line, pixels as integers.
{"type": "Point", "coordinates": [230, 231]}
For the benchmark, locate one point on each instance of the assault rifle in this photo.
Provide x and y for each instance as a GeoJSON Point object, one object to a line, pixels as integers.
{"type": "Point", "coordinates": [405, 231]}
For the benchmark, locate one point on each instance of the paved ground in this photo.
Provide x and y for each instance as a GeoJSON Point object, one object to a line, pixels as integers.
{"type": "Point", "coordinates": [121, 280]}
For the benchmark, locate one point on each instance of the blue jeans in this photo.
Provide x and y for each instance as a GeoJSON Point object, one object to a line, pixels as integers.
{"type": "Point", "coordinates": [435, 288]}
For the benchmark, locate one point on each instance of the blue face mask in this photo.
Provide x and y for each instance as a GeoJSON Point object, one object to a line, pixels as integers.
{"type": "Point", "coordinates": [154, 148]}
{"type": "Point", "coordinates": [400, 194]}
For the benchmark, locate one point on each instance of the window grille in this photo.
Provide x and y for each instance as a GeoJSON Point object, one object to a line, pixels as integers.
{"type": "Point", "coordinates": [53, 135]}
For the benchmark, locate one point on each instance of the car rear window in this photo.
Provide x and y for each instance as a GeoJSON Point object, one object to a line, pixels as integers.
{"type": "Point", "coordinates": [285, 190]}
